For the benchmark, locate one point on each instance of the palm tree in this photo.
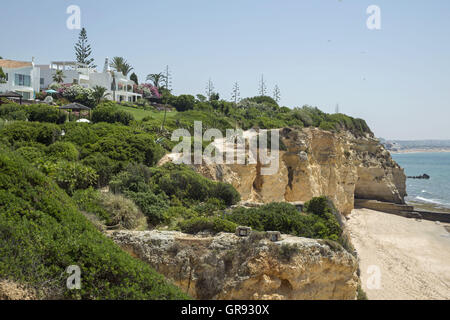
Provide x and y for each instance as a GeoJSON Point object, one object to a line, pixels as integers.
{"type": "Point", "coordinates": [2, 75]}
{"type": "Point", "coordinates": [121, 65]}
{"type": "Point", "coordinates": [100, 93]}
{"type": "Point", "coordinates": [59, 76]}
{"type": "Point", "coordinates": [156, 78]}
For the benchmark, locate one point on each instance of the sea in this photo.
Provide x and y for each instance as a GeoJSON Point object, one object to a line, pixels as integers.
{"type": "Point", "coordinates": [434, 192]}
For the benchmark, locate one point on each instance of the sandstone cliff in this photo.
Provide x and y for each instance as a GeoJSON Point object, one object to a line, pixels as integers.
{"type": "Point", "coordinates": [317, 162]}
{"type": "Point", "coordinates": [229, 267]}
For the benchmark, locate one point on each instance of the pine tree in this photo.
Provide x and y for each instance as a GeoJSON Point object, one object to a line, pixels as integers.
{"type": "Point", "coordinates": [83, 50]}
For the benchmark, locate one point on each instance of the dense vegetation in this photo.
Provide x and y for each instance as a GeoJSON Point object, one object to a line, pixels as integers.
{"type": "Point", "coordinates": [53, 198]}
{"type": "Point", "coordinates": [42, 233]}
{"type": "Point", "coordinates": [261, 112]}
{"type": "Point", "coordinates": [317, 221]}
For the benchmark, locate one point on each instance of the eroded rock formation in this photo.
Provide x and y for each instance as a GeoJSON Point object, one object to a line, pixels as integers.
{"type": "Point", "coordinates": [317, 162]}
{"type": "Point", "coordinates": [228, 267]}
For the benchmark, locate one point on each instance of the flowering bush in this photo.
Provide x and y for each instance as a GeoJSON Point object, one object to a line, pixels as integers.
{"type": "Point", "coordinates": [147, 89]}
{"type": "Point", "coordinates": [41, 95]}
{"type": "Point", "coordinates": [75, 93]}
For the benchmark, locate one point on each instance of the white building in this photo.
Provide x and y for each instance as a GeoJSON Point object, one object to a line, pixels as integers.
{"type": "Point", "coordinates": [21, 77]}
{"type": "Point", "coordinates": [119, 87]}
{"type": "Point", "coordinates": [74, 73]}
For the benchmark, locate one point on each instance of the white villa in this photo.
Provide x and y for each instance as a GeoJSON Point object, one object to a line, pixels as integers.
{"type": "Point", "coordinates": [119, 87]}
{"type": "Point", "coordinates": [21, 77]}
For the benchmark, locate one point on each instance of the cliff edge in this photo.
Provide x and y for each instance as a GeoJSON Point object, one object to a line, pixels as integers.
{"type": "Point", "coordinates": [228, 267]}
{"type": "Point", "coordinates": [313, 163]}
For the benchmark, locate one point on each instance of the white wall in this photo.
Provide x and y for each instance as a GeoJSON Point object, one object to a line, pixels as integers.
{"type": "Point", "coordinates": [47, 74]}
{"type": "Point", "coordinates": [31, 71]}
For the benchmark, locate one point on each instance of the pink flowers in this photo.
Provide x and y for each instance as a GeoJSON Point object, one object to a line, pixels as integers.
{"type": "Point", "coordinates": [148, 89]}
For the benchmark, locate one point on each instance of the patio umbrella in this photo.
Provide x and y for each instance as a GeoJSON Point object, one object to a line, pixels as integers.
{"type": "Point", "coordinates": [83, 121]}
{"type": "Point", "coordinates": [51, 91]}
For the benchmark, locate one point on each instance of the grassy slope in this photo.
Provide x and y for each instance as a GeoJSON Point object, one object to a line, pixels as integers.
{"type": "Point", "coordinates": [42, 233]}
{"type": "Point", "coordinates": [139, 114]}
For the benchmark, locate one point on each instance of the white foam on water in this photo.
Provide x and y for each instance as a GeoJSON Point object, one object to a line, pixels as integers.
{"type": "Point", "coordinates": [429, 200]}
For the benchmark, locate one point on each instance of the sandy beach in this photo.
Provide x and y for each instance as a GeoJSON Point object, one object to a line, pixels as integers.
{"type": "Point", "coordinates": [413, 257]}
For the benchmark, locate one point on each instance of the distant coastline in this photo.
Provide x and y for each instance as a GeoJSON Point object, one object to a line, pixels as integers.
{"type": "Point", "coordinates": [420, 150]}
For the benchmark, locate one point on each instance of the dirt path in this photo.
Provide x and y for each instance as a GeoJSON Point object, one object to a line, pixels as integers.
{"type": "Point", "coordinates": [412, 257]}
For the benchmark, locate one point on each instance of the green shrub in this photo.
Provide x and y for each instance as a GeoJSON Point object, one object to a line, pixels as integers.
{"type": "Point", "coordinates": [204, 224]}
{"type": "Point", "coordinates": [89, 201]}
{"type": "Point", "coordinates": [187, 185]}
{"type": "Point", "coordinates": [36, 112]}
{"type": "Point", "coordinates": [31, 154]}
{"type": "Point", "coordinates": [80, 133]}
{"type": "Point", "coordinates": [153, 206]}
{"type": "Point", "coordinates": [361, 294]}
{"type": "Point", "coordinates": [62, 151]}
{"type": "Point", "coordinates": [180, 212]}
{"type": "Point", "coordinates": [103, 166]}
{"type": "Point", "coordinates": [225, 192]}
{"type": "Point", "coordinates": [327, 125]}
{"type": "Point", "coordinates": [13, 112]}
{"type": "Point", "coordinates": [111, 114]}
{"type": "Point", "coordinates": [285, 218]}
{"type": "Point", "coordinates": [42, 233]}
{"type": "Point", "coordinates": [19, 131]}
{"type": "Point", "coordinates": [123, 212]}
{"type": "Point", "coordinates": [129, 148]}
{"type": "Point", "coordinates": [72, 176]}
{"type": "Point", "coordinates": [46, 113]}
{"type": "Point", "coordinates": [210, 207]}
{"type": "Point", "coordinates": [317, 206]}
{"type": "Point", "coordinates": [183, 102]}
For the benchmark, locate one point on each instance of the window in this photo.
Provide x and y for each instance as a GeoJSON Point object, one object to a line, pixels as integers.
{"type": "Point", "coordinates": [22, 80]}
{"type": "Point", "coordinates": [25, 95]}
{"type": "Point", "coordinates": [42, 82]}
{"type": "Point", "coordinates": [6, 76]}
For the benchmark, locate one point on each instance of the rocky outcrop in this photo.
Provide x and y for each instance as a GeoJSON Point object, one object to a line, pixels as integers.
{"type": "Point", "coordinates": [229, 267]}
{"type": "Point", "coordinates": [10, 290]}
{"type": "Point", "coordinates": [315, 163]}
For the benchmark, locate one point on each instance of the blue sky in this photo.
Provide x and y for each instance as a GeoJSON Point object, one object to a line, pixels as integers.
{"type": "Point", "coordinates": [319, 52]}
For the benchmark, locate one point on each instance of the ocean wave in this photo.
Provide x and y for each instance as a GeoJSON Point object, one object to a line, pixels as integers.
{"type": "Point", "coordinates": [430, 200]}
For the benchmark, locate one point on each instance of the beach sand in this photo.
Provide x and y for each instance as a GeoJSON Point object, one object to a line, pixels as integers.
{"type": "Point", "coordinates": [413, 257]}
